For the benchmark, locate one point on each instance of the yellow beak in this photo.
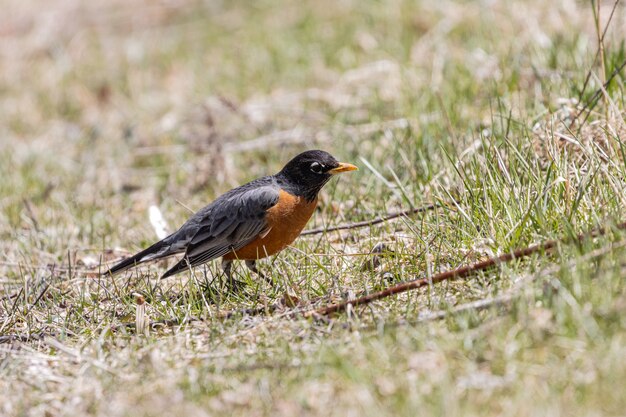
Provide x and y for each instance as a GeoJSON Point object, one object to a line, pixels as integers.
{"type": "Point", "coordinates": [343, 167]}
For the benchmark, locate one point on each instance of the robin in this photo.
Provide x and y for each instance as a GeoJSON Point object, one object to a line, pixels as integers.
{"type": "Point", "coordinates": [250, 222]}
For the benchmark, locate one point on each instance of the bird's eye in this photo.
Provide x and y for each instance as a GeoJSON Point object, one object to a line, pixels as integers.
{"type": "Point", "coordinates": [316, 167]}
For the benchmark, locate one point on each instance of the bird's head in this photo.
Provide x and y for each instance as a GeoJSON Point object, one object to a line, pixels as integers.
{"type": "Point", "coordinates": [309, 171]}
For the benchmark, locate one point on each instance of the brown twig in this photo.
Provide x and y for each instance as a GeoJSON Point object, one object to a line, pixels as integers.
{"type": "Point", "coordinates": [505, 300]}
{"type": "Point", "coordinates": [456, 273]}
{"type": "Point", "coordinates": [390, 216]}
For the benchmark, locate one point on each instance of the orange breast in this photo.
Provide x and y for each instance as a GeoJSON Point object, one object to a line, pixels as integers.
{"type": "Point", "coordinates": [286, 219]}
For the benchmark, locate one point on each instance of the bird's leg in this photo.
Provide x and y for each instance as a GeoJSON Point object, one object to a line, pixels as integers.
{"type": "Point", "coordinates": [231, 283]}
{"type": "Point", "coordinates": [251, 264]}
{"type": "Point", "coordinates": [227, 266]}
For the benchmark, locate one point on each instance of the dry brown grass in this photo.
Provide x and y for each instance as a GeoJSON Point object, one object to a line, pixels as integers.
{"type": "Point", "coordinates": [110, 108]}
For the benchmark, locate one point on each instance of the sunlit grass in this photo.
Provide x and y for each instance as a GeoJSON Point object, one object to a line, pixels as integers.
{"type": "Point", "coordinates": [109, 109]}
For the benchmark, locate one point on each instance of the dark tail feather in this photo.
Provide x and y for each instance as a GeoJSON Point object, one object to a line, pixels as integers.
{"type": "Point", "coordinates": [135, 259]}
{"type": "Point", "coordinates": [180, 266]}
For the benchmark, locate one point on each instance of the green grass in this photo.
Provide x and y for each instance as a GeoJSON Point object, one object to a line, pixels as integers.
{"type": "Point", "coordinates": [109, 109]}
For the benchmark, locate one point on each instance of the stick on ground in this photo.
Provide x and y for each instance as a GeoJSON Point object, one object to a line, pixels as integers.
{"type": "Point", "coordinates": [390, 216]}
{"type": "Point", "coordinates": [457, 273]}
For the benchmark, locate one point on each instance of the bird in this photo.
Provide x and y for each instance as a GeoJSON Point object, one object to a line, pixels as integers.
{"type": "Point", "coordinates": [250, 222]}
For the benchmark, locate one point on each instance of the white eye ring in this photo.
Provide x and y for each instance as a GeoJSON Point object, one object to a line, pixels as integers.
{"type": "Point", "coordinates": [316, 167]}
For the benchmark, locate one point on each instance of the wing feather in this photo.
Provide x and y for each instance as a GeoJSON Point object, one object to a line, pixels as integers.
{"type": "Point", "coordinates": [230, 223]}
{"type": "Point", "coordinates": [234, 221]}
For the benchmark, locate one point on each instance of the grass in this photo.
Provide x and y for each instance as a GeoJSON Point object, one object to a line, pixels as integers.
{"type": "Point", "coordinates": [110, 109]}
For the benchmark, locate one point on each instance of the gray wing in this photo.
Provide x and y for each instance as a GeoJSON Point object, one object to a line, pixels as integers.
{"type": "Point", "coordinates": [231, 222]}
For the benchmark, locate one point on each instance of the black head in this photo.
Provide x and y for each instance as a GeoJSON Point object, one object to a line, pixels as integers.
{"type": "Point", "coordinates": [306, 174]}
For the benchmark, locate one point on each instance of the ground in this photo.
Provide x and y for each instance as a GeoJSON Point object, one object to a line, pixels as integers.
{"type": "Point", "coordinates": [507, 115]}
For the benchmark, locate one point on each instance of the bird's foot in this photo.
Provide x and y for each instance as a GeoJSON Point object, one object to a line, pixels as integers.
{"type": "Point", "coordinates": [232, 285]}
{"type": "Point", "coordinates": [235, 286]}
{"type": "Point", "coordinates": [252, 267]}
